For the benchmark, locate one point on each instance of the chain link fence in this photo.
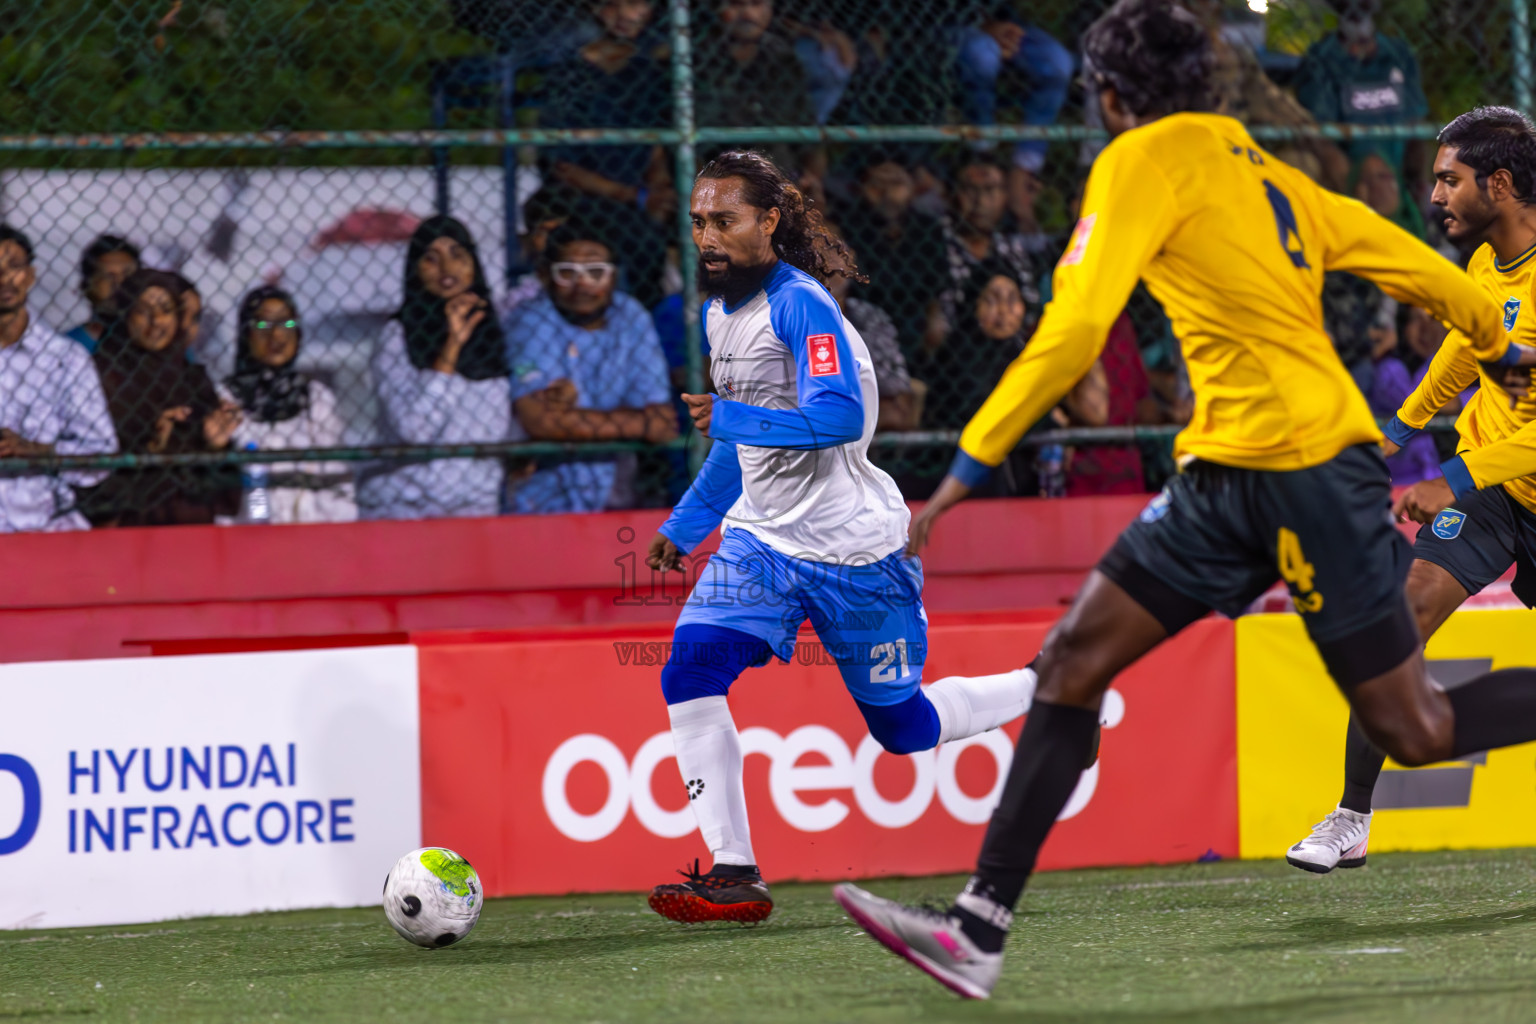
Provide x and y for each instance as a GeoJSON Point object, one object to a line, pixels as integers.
{"type": "Point", "coordinates": [403, 258]}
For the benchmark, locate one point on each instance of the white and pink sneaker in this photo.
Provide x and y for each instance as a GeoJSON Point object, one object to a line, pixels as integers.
{"type": "Point", "coordinates": [1338, 841]}
{"type": "Point", "coordinates": [929, 939]}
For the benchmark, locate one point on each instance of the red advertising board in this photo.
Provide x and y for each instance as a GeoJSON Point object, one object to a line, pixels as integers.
{"type": "Point", "coordinates": [547, 762]}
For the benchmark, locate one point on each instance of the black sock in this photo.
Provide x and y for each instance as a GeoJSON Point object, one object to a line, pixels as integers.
{"type": "Point", "coordinates": [987, 938]}
{"type": "Point", "coordinates": [1047, 761]}
{"type": "Point", "coordinates": [1362, 767]}
{"type": "Point", "coordinates": [1495, 710]}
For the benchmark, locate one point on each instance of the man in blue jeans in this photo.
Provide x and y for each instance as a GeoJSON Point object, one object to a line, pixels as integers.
{"type": "Point", "coordinates": [982, 51]}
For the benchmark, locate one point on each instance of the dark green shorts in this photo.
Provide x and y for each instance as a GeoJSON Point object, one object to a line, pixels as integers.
{"type": "Point", "coordinates": [1218, 537]}
{"type": "Point", "coordinates": [1479, 538]}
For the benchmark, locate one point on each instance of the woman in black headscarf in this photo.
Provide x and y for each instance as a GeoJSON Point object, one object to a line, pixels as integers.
{"type": "Point", "coordinates": [994, 326]}
{"type": "Point", "coordinates": [160, 403]}
{"type": "Point", "coordinates": [284, 408]}
{"type": "Point", "coordinates": [441, 373]}
{"type": "Point", "coordinates": [990, 335]}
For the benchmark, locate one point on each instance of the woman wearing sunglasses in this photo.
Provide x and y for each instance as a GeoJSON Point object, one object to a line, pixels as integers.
{"type": "Point", "coordinates": [284, 408]}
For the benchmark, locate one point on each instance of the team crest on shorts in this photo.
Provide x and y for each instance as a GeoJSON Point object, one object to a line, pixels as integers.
{"type": "Point", "coordinates": [1156, 508]}
{"type": "Point", "coordinates": [1511, 313]}
{"type": "Point", "coordinates": [1447, 525]}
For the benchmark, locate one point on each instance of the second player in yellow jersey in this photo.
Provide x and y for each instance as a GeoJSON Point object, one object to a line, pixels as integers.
{"type": "Point", "coordinates": [1498, 439]}
{"type": "Point", "coordinates": [1481, 517]}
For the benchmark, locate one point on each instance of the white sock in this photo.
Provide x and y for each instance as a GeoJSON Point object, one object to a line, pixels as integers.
{"type": "Point", "coordinates": [708, 752]}
{"type": "Point", "coordinates": [968, 705]}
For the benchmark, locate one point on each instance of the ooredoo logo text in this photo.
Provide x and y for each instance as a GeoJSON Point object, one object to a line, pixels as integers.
{"type": "Point", "coordinates": [808, 797]}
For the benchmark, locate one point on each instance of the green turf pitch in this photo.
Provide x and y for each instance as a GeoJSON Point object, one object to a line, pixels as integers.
{"type": "Point", "coordinates": [1412, 937]}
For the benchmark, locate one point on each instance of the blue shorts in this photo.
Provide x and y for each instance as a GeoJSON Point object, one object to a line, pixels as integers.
{"type": "Point", "coordinates": [869, 617]}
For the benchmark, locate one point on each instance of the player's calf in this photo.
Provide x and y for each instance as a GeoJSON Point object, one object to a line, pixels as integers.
{"type": "Point", "coordinates": [1405, 716]}
{"type": "Point", "coordinates": [1094, 641]}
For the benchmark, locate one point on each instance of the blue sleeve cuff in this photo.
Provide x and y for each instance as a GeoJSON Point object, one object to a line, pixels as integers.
{"type": "Point", "coordinates": [1511, 356]}
{"type": "Point", "coordinates": [1458, 476]}
{"type": "Point", "coordinates": [688, 526]}
{"type": "Point", "coordinates": [1400, 433]}
{"type": "Point", "coordinates": [707, 500]}
{"type": "Point", "coordinates": [680, 534]}
{"type": "Point", "coordinates": [970, 471]}
{"type": "Point", "coordinates": [723, 421]}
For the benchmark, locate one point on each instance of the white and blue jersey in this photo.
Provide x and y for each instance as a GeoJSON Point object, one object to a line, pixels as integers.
{"type": "Point", "coordinates": [811, 529]}
{"type": "Point", "coordinates": [794, 412]}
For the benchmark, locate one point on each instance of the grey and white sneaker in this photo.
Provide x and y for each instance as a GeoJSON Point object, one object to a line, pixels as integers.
{"type": "Point", "coordinates": [1338, 841]}
{"type": "Point", "coordinates": [930, 939]}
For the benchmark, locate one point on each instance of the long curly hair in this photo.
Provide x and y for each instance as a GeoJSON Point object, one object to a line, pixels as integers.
{"type": "Point", "coordinates": [1155, 54]}
{"type": "Point", "coordinates": [801, 238]}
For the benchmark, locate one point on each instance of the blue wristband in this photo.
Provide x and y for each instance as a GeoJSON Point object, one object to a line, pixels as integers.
{"type": "Point", "coordinates": [970, 471]}
{"type": "Point", "coordinates": [1400, 433]}
{"type": "Point", "coordinates": [1511, 356]}
{"type": "Point", "coordinates": [641, 195]}
{"type": "Point", "coordinates": [1458, 476]}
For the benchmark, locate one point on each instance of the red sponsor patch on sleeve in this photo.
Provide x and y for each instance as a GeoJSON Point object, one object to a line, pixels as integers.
{"type": "Point", "coordinates": [1078, 246]}
{"type": "Point", "coordinates": [823, 350]}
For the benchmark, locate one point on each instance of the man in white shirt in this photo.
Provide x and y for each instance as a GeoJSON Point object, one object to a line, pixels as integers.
{"type": "Point", "coordinates": [51, 403]}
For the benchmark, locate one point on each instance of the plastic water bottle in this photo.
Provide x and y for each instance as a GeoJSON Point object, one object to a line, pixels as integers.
{"type": "Point", "coordinates": [1051, 466]}
{"type": "Point", "coordinates": [253, 479]}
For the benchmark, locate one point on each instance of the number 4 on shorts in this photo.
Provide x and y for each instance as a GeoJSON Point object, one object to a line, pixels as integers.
{"type": "Point", "coordinates": [1297, 571]}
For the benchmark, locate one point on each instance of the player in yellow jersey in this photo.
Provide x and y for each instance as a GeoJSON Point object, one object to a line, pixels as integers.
{"type": "Point", "coordinates": [1480, 518]}
{"type": "Point", "coordinates": [1282, 473]}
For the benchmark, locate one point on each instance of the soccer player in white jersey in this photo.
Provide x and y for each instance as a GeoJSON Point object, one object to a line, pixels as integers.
{"type": "Point", "coordinates": [811, 529]}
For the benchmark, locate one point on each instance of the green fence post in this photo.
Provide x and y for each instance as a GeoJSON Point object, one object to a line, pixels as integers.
{"type": "Point", "coordinates": [684, 169]}
{"type": "Point", "coordinates": [1520, 31]}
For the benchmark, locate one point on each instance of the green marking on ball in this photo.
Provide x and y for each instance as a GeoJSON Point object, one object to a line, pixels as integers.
{"type": "Point", "coordinates": [452, 870]}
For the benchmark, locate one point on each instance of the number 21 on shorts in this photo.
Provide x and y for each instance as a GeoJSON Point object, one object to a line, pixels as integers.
{"type": "Point", "coordinates": [884, 671]}
{"type": "Point", "coordinates": [1297, 571]}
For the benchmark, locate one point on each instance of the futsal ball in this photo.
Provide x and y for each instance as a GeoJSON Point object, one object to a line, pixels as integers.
{"type": "Point", "coordinates": [432, 897]}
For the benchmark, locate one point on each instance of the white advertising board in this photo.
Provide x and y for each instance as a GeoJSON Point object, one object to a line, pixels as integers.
{"type": "Point", "coordinates": [144, 789]}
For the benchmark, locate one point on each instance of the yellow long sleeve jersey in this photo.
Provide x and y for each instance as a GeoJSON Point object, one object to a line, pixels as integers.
{"type": "Point", "coordinates": [1498, 435]}
{"type": "Point", "coordinates": [1234, 244]}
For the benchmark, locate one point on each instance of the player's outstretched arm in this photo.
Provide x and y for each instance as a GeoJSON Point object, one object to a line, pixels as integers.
{"type": "Point", "coordinates": [705, 503]}
{"type": "Point", "coordinates": [1478, 469]}
{"type": "Point", "coordinates": [1128, 212]}
{"type": "Point", "coordinates": [1363, 242]}
{"type": "Point", "coordinates": [1452, 371]}
{"type": "Point", "coordinates": [951, 491]}
{"type": "Point", "coordinates": [1493, 464]}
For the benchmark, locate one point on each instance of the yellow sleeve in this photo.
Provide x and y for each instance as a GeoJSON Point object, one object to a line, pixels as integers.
{"type": "Point", "coordinates": [1129, 210]}
{"type": "Point", "coordinates": [1452, 371]}
{"type": "Point", "coordinates": [1497, 463]}
{"type": "Point", "coordinates": [1365, 243]}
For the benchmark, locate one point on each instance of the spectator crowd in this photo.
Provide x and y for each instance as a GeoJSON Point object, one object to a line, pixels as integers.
{"type": "Point", "coordinates": [585, 343]}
